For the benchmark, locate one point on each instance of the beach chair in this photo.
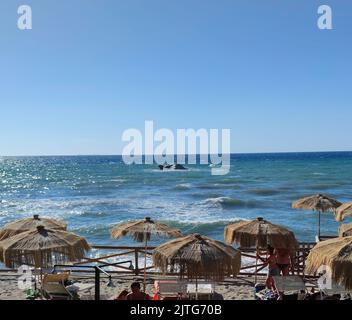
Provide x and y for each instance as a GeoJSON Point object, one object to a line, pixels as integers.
{"type": "Point", "coordinates": [80, 288]}
{"type": "Point", "coordinates": [53, 287]}
{"type": "Point", "coordinates": [290, 287]}
{"type": "Point", "coordinates": [200, 291]}
{"type": "Point", "coordinates": [37, 275]}
{"type": "Point", "coordinates": [171, 289]}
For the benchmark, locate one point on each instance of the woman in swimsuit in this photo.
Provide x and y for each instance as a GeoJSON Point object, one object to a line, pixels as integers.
{"type": "Point", "coordinates": [284, 260]}
{"type": "Point", "coordinates": [273, 269]}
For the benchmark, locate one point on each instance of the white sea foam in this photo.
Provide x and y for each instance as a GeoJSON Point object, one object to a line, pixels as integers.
{"type": "Point", "coordinates": [221, 201]}
{"type": "Point", "coordinates": [183, 186]}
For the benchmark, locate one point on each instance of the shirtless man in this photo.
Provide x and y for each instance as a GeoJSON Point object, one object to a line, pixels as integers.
{"type": "Point", "coordinates": [136, 293]}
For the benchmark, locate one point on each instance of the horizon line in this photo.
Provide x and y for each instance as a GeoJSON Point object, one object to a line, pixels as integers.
{"type": "Point", "coordinates": [198, 154]}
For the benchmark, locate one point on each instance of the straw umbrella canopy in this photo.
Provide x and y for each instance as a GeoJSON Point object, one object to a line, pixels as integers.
{"type": "Point", "coordinates": [335, 253]}
{"type": "Point", "coordinates": [27, 224]}
{"type": "Point", "coordinates": [42, 247]}
{"type": "Point", "coordinates": [141, 231]}
{"type": "Point", "coordinates": [319, 203]}
{"type": "Point", "coordinates": [343, 211]}
{"type": "Point", "coordinates": [198, 256]}
{"type": "Point", "coordinates": [259, 233]}
{"type": "Point", "coordinates": [345, 230]}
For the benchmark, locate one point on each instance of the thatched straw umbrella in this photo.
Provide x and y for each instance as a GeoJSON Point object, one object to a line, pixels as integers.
{"type": "Point", "coordinates": [260, 233]}
{"type": "Point", "coordinates": [345, 230]}
{"type": "Point", "coordinates": [343, 211]}
{"type": "Point", "coordinates": [27, 224]}
{"type": "Point", "coordinates": [141, 231]}
{"type": "Point", "coordinates": [319, 202]}
{"type": "Point", "coordinates": [42, 248]}
{"type": "Point", "coordinates": [335, 253]}
{"type": "Point", "coordinates": [197, 256]}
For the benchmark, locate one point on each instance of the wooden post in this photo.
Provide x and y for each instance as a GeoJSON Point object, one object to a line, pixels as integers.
{"type": "Point", "coordinates": [196, 287]}
{"type": "Point", "coordinates": [136, 269]}
{"type": "Point", "coordinates": [256, 266]}
{"type": "Point", "coordinates": [319, 225]}
{"type": "Point", "coordinates": [97, 284]}
{"type": "Point", "coordinates": [145, 264]}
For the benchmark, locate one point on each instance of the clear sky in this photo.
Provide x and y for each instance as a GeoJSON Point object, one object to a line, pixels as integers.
{"type": "Point", "coordinates": [90, 69]}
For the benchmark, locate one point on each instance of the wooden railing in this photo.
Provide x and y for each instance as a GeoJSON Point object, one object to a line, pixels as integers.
{"type": "Point", "coordinates": [301, 256]}
{"type": "Point", "coordinates": [131, 256]}
{"type": "Point", "coordinates": [134, 254]}
{"type": "Point", "coordinates": [131, 253]}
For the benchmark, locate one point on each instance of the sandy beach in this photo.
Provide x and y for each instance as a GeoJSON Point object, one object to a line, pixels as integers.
{"type": "Point", "coordinates": [230, 289]}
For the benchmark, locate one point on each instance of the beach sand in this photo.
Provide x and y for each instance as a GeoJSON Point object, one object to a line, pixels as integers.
{"type": "Point", "coordinates": [230, 289]}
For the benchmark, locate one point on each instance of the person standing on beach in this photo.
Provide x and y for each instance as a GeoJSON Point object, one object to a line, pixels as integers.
{"type": "Point", "coordinates": [273, 269]}
{"type": "Point", "coordinates": [284, 260]}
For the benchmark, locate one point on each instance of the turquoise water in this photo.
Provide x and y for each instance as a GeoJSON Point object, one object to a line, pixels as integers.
{"type": "Point", "coordinates": [92, 193]}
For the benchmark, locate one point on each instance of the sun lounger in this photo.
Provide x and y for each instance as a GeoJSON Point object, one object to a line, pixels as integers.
{"type": "Point", "coordinates": [81, 288]}
{"type": "Point", "coordinates": [287, 288]}
{"type": "Point", "coordinates": [201, 291]}
{"type": "Point", "coordinates": [171, 289]}
{"type": "Point", "coordinates": [37, 275]}
{"type": "Point", "coordinates": [53, 287]}
{"type": "Point", "coordinates": [290, 287]}
{"type": "Point", "coordinates": [289, 283]}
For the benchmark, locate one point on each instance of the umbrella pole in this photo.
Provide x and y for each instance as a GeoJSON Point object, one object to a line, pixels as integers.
{"type": "Point", "coordinates": [196, 288]}
{"type": "Point", "coordinates": [41, 272]}
{"type": "Point", "coordinates": [256, 267]}
{"type": "Point", "coordinates": [40, 265]}
{"type": "Point", "coordinates": [145, 263]}
{"type": "Point", "coordinates": [319, 225]}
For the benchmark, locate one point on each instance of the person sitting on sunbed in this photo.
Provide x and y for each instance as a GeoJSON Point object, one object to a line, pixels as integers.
{"type": "Point", "coordinates": [273, 269]}
{"type": "Point", "coordinates": [136, 293]}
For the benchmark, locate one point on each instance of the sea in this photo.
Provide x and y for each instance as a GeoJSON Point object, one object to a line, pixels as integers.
{"type": "Point", "coordinates": [94, 193]}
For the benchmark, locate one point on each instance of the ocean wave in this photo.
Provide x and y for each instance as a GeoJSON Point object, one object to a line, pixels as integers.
{"type": "Point", "coordinates": [95, 231]}
{"type": "Point", "coordinates": [183, 186]}
{"type": "Point", "coordinates": [201, 226]}
{"type": "Point", "coordinates": [7, 204]}
{"type": "Point", "coordinates": [102, 231]}
{"type": "Point", "coordinates": [227, 202]}
{"type": "Point", "coordinates": [206, 195]}
{"type": "Point", "coordinates": [78, 206]}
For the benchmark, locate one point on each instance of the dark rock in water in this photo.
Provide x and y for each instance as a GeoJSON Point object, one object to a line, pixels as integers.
{"type": "Point", "coordinates": [175, 166]}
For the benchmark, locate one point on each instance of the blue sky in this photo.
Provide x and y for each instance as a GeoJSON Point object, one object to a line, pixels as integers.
{"type": "Point", "coordinates": [90, 69]}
